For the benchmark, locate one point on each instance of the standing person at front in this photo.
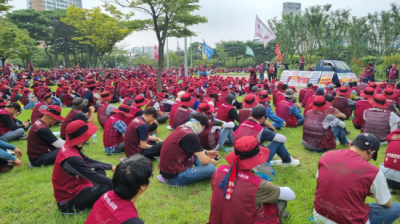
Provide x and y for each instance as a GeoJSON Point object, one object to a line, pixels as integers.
{"type": "Point", "coordinates": [345, 179]}
{"type": "Point", "coordinates": [131, 179]}
{"type": "Point", "coordinates": [393, 74]}
{"type": "Point", "coordinates": [182, 149]}
{"type": "Point", "coordinates": [252, 78]}
{"type": "Point", "coordinates": [254, 200]}
{"type": "Point", "coordinates": [76, 186]}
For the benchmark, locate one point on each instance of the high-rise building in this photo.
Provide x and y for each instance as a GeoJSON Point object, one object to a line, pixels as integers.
{"type": "Point", "coordinates": [52, 4]}
{"type": "Point", "coordinates": [291, 7]}
{"type": "Point", "coordinates": [149, 50]}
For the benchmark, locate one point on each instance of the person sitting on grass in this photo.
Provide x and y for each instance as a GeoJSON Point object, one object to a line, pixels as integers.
{"type": "Point", "coordinates": [288, 111]}
{"type": "Point", "coordinates": [390, 166]}
{"type": "Point", "coordinates": [321, 127]}
{"type": "Point", "coordinates": [361, 106]}
{"type": "Point", "coordinates": [7, 161]}
{"type": "Point", "coordinates": [114, 130]}
{"type": "Point", "coordinates": [43, 146]}
{"type": "Point", "coordinates": [10, 130]}
{"type": "Point", "coordinates": [254, 200]}
{"type": "Point", "coordinates": [264, 100]}
{"type": "Point", "coordinates": [262, 130]}
{"type": "Point", "coordinates": [78, 104]}
{"type": "Point", "coordinates": [76, 185]}
{"type": "Point", "coordinates": [209, 137]}
{"type": "Point", "coordinates": [130, 180]}
{"type": "Point", "coordinates": [105, 109]}
{"type": "Point", "coordinates": [345, 179]}
{"type": "Point", "coordinates": [139, 141]}
{"type": "Point", "coordinates": [156, 103]}
{"type": "Point", "coordinates": [44, 101]}
{"type": "Point", "coordinates": [182, 149]}
{"type": "Point", "coordinates": [184, 112]}
{"type": "Point", "coordinates": [228, 114]}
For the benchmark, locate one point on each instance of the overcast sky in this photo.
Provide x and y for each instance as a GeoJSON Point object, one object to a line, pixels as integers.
{"type": "Point", "coordinates": [232, 19]}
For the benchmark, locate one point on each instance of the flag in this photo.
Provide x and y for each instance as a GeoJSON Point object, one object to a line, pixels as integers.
{"type": "Point", "coordinates": [249, 51]}
{"type": "Point", "coordinates": [178, 48]}
{"type": "Point", "coordinates": [263, 32]}
{"type": "Point", "coordinates": [155, 52]}
{"type": "Point", "coordinates": [207, 51]}
{"type": "Point", "coordinates": [278, 52]}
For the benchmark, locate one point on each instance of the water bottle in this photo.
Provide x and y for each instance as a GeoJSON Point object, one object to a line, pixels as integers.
{"type": "Point", "coordinates": [228, 149]}
{"type": "Point", "coordinates": [95, 138]}
{"type": "Point", "coordinates": [154, 135]}
{"type": "Point", "coordinates": [275, 162]}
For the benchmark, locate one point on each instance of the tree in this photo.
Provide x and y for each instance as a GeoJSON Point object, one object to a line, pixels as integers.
{"type": "Point", "coordinates": [13, 41]}
{"type": "Point", "coordinates": [167, 18]}
{"type": "Point", "coordinates": [4, 7]}
{"type": "Point", "coordinates": [357, 36]}
{"type": "Point", "coordinates": [99, 31]}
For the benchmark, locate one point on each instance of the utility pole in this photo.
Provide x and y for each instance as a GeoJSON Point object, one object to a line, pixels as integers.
{"type": "Point", "coordinates": [167, 55]}
{"type": "Point", "coordinates": [186, 61]}
{"type": "Point", "coordinates": [191, 52]}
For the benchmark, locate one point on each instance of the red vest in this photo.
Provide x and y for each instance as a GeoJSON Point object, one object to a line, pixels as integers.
{"type": "Point", "coordinates": [344, 181]}
{"type": "Point", "coordinates": [67, 120]}
{"type": "Point", "coordinates": [5, 129]}
{"type": "Point", "coordinates": [67, 187]}
{"type": "Point", "coordinates": [127, 99]}
{"type": "Point", "coordinates": [68, 98]}
{"type": "Point", "coordinates": [309, 104]}
{"type": "Point", "coordinates": [341, 104]}
{"type": "Point", "coordinates": [392, 154]}
{"type": "Point", "coordinates": [173, 159]}
{"type": "Point", "coordinates": [244, 114]}
{"type": "Point", "coordinates": [221, 99]}
{"type": "Point", "coordinates": [361, 106]}
{"type": "Point", "coordinates": [391, 105]}
{"type": "Point", "coordinates": [102, 116]}
{"type": "Point", "coordinates": [315, 134]}
{"type": "Point", "coordinates": [92, 102]}
{"type": "Point", "coordinates": [110, 208]}
{"type": "Point", "coordinates": [241, 208]}
{"type": "Point", "coordinates": [181, 116]}
{"type": "Point", "coordinates": [36, 115]}
{"type": "Point", "coordinates": [282, 111]}
{"type": "Point", "coordinates": [132, 144]}
{"type": "Point", "coordinates": [111, 137]}
{"type": "Point", "coordinates": [249, 128]}
{"type": "Point", "coordinates": [37, 147]}
{"type": "Point", "coordinates": [58, 92]}
{"type": "Point", "coordinates": [174, 108]}
{"type": "Point", "coordinates": [209, 140]}
{"type": "Point", "coordinates": [223, 112]}
{"type": "Point", "coordinates": [24, 99]}
{"type": "Point", "coordinates": [308, 94]}
{"type": "Point", "coordinates": [393, 73]}
{"type": "Point", "coordinates": [147, 94]}
{"type": "Point", "coordinates": [377, 123]}
{"type": "Point", "coordinates": [12, 97]}
{"type": "Point", "coordinates": [302, 92]}
{"type": "Point", "coordinates": [151, 103]}
{"type": "Point", "coordinates": [360, 87]}
{"type": "Point", "coordinates": [397, 92]}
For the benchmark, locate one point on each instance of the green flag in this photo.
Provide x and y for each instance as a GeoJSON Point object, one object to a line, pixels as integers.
{"type": "Point", "coordinates": [249, 51]}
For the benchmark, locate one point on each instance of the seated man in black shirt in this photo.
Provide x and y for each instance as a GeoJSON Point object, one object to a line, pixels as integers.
{"type": "Point", "coordinates": [43, 146]}
{"type": "Point", "coordinates": [9, 129]}
{"type": "Point", "coordinates": [78, 181]}
{"type": "Point", "coordinates": [177, 151]}
{"type": "Point", "coordinates": [131, 179]}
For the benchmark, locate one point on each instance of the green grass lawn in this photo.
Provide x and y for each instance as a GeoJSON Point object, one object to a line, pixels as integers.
{"type": "Point", "coordinates": [27, 193]}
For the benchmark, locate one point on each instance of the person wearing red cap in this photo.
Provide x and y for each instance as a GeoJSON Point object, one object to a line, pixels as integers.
{"type": "Point", "coordinates": [378, 120]}
{"type": "Point", "coordinates": [393, 74]}
{"type": "Point", "coordinates": [66, 97]}
{"type": "Point", "coordinates": [105, 109]}
{"type": "Point", "coordinates": [184, 112]}
{"type": "Point", "coordinates": [43, 146]}
{"type": "Point", "coordinates": [288, 111]}
{"type": "Point", "coordinates": [342, 102]}
{"type": "Point", "coordinates": [174, 108]}
{"type": "Point", "coordinates": [28, 100]}
{"type": "Point", "coordinates": [321, 127]}
{"type": "Point", "coordinates": [276, 92]}
{"type": "Point", "coordinates": [252, 78]}
{"type": "Point", "coordinates": [303, 91]}
{"type": "Point", "coordinates": [77, 186]}
{"type": "Point", "coordinates": [14, 94]}
{"type": "Point", "coordinates": [209, 137]}
{"type": "Point", "coordinates": [156, 103]}
{"type": "Point", "coordinates": [390, 166]}
{"type": "Point", "coordinates": [7, 70]}
{"type": "Point", "coordinates": [214, 99]}
{"type": "Point", "coordinates": [87, 93]}
{"type": "Point", "coordinates": [130, 180]}
{"type": "Point", "coordinates": [44, 102]}
{"type": "Point", "coordinates": [228, 114]}
{"type": "Point", "coordinates": [182, 149]}
{"type": "Point", "coordinates": [361, 106]}
{"type": "Point", "coordinates": [78, 105]}
{"type": "Point", "coordinates": [139, 141]}
{"type": "Point", "coordinates": [310, 92]}
{"type": "Point", "coordinates": [254, 200]}
{"type": "Point", "coordinates": [114, 130]}
{"type": "Point", "coordinates": [222, 97]}
{"type": "Point", "coordinates": [264, 100]}
{"type": "Point", "coordinates": [391, 97]}
{"type": "Point", "coordinates": [10, 127]}
{"type": "Point", "coordinates": [345, 179]}
{"type": "Point", "coordinates": [249, 101]}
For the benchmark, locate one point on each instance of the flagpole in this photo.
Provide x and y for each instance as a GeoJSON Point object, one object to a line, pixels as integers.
{"type": "Point", "coordinates": [186, 59]}
{"type": "Point", "coordinates": [167, 55]}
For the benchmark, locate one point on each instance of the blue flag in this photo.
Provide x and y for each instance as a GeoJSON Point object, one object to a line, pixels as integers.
{"type": "Point", "coordinates": [207, 51]}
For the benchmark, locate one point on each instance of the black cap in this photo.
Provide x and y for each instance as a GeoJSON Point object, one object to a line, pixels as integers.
{"type": "Point", "coordinates": [258, 111]}
{"type": "Point", "coordinates": [367, 141]}
{"type": "Point", "coordinates": [14, 105]}
{"type": "Point", "coordinates": [284, 86]}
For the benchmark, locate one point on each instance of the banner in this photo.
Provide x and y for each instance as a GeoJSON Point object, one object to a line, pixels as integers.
{"type": "Point", "coordinates": [314, 78]}
{"type": "Point", "coordinates": [279, 53]}
{"type": "Point", "coordinates": [249, 51]}
{"type": "Point", "coordinates": [178, 48]}
{"type": "Point", "coordinates": [326, 78]}
{"type": "Point", "coordinates": [263, 32]}
{"type": "Point", "coordinates": [155, 53]}
{"type": "Point", "coordinates": [353, 77]}
{"type": "Point", "coordinates": [285, 77]}
{"type": "Point", "coordinates": [294, 79]}
{"type": "Point", "coordinates": [304, 76]}
{"type": "Point", "coordinates": [207, 51]}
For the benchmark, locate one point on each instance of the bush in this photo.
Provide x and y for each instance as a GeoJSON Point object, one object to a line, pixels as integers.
{"type": "Point", "coordinates": [390, 60]}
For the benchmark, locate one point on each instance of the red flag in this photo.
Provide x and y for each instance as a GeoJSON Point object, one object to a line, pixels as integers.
{"type": "Point", "coordinates": [278, 52]}
{"type": "Point", "coordinates": [155, 53]}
